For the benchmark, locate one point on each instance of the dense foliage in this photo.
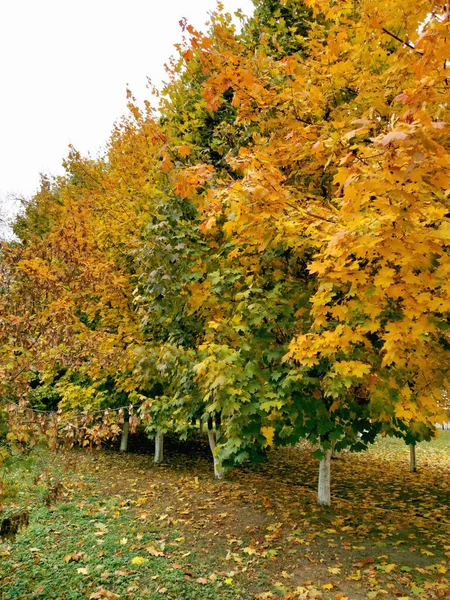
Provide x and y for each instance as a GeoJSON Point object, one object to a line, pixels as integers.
{"type": "Point", "coordinates": [267, 254]}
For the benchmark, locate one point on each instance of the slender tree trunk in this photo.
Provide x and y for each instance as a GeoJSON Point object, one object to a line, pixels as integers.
{"type": "Point", "coordinates": [218, 470]}
{"type": "Point", "coordinates": [124, 438]}
{"type": "Point", "coordinates": [324, 489]}
{"type": "Point", "coordinates": [159, 447]}
{"type": "Point", "coordinates": [412, 458]}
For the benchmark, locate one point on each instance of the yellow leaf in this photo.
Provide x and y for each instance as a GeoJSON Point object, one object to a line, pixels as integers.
{"type": "Point", "coordinates": [268, 433]}
{"type": "Point", "coordinates": [390, 567]}
{"type": "Point", "coordinates": [352, 368]}
{"type": "Point", "coordinates": [184, 150]}
{"type": "Point", "coordinates": [355, 576]}
{"type": "Point", "coordinates": [138, 560]}
{"type": "Point", "coordinates": [328, 586]}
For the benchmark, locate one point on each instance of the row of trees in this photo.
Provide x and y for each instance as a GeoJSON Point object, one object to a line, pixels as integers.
{"type": "Point", "coordinates": [267, 253]}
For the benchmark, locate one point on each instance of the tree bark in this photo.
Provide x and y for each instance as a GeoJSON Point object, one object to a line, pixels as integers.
{"type": "Point", "coordinates": [159, 447]}
{"type": "Point", "coordinates": [124, 438]}
{"type": "Point", "coordinates": [412, 458]}
{"type": "Point", "coordinates": [324, 488]}
{"type": "Point", "coordinates": [218, 470]}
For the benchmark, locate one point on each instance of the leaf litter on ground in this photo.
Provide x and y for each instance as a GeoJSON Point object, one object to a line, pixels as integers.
{"type": "Point", "coordinates": [131, 530]}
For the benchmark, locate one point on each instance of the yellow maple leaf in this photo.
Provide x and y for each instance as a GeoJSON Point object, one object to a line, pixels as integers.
{"type": "Point", "coordinates": [352, 368]}
{"type": "Point", "coordinates": [268, 433]}
{"type": "Point", "coordinates": [184, 150]}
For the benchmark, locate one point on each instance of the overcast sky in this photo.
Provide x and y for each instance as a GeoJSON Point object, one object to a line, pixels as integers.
{"type": "Point", "coordinates": [64, 68]}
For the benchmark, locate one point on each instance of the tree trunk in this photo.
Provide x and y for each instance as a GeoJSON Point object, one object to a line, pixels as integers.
{"type": "Point", "coordinates": [159, 447]}
{"type": "Point", "coordinates": [124, 438]}
{"type": "Point", "coordinates": [324, 489]}
{"type": "Point", "coordinates": [218, 470]}
{"type": "Point", "coordinates": [412, 458]}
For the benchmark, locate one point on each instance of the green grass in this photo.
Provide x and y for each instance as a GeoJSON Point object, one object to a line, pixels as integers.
{"type": "Point", "coordinates": [86, 545]}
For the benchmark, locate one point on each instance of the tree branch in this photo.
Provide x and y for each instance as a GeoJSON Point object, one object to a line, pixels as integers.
{"type": "Point", "coordinates": [403, 42]}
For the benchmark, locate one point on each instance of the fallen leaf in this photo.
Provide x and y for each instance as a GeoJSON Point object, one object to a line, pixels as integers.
{"type": "Point", "coordinates": [138, 560]}
{"type": "Point", "coordinates": [103, 593]}
{"type": "Point", "coordinates": [154, 551]}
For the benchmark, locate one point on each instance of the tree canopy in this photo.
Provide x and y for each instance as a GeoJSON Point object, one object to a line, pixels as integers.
{"type": "Point", "coordinates": [267, 253]}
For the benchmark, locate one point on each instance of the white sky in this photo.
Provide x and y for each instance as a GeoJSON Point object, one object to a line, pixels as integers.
{"type": "Point", "coordinates": [64, 68]}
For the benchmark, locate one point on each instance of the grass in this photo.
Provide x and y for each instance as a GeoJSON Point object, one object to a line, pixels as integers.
{"type": "Point", "coordinates": [128, 529]}
{"type": "Point", "coordinates": [89, 547]}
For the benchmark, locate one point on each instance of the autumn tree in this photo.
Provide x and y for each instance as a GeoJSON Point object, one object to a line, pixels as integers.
{"type": "Point", "coordinates": [270, 252]}
{"type": "Point", "coordinates": [348, 171]}
{"type": "Point", "coordinates": [68, 301]}
{"type": "Point", "coordinates": [202, 127]}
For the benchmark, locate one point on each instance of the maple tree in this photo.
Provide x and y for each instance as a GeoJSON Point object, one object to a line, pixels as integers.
{"type": "Point", "coordinates": [268, 254]}
{"type": "Point", "coordinates": [347, 169]}
{"type": "Point", "coordinates": [70, 291]}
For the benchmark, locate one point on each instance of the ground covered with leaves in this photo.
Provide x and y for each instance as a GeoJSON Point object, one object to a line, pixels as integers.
{"type": "Point", "coordinates": [120, 527]}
